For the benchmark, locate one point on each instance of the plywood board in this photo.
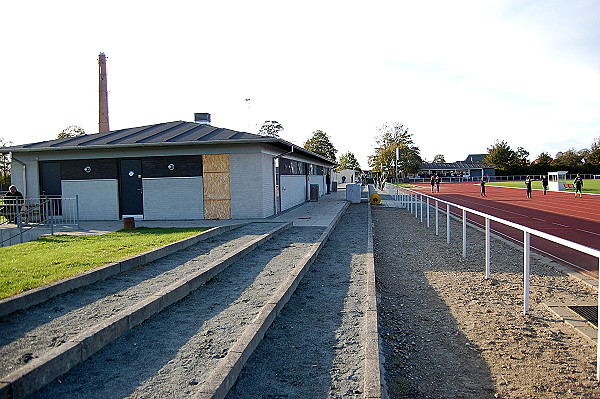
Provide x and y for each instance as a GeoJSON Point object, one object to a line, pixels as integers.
{"type": "Point", "coordinates": [216, 186]}
{"type": "Point", "coordinates": [215, 163]}
{"type": "Point", "coordinates": [217, 209]}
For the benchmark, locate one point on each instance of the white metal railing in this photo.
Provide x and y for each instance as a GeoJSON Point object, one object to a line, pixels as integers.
{"type": "Point", "coordinates": [33, 213]}
{"type": "Point", "coordinates": [414, 202]}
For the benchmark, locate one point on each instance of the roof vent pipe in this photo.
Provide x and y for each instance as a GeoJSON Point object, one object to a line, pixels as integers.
{"type": "Point", "coordinates": [202, 118]}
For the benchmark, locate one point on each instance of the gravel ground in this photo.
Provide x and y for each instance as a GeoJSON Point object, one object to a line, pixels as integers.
{"type": "Point", "coordinates": [314, 347]}
{"type": "Point", "coordinates": [172, 353]}
{"type": "Point", "coordinates": [27, 334]}
{"type": "Point", "coordinates": [449, 333]}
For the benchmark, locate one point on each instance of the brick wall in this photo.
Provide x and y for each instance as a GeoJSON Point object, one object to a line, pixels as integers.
{"type": "Point", "coordinates": [173, 198]}
{"type": "Point", "coordinates": [247, 191]}
{"type": "Point", "coordinates": [98, 199]}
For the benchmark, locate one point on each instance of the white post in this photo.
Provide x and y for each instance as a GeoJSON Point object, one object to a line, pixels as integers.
{"type": "Point", "coordinates": [437, 219]}
{"type": "Point", "coordinates": [487, 248]}
{"type": "Point", "coordinates": [448, 223]}
{"type": "Point", "coordinates": [428, 224]}
{"type": "Point", "coordinates": [416, 207]}
{"type": "Point", "coordinates": [526, 267]}
{"type": "Point", "coordinates": [421, 201]}
{"type": "Point", "coordinates": [464, 226]}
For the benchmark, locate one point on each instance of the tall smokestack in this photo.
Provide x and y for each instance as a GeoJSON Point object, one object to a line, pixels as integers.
{"type": "Point", "coordinates": [103, 89]}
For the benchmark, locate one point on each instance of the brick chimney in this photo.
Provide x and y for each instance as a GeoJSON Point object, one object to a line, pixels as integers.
{"type": "Point", "coordinates": [103, 100]}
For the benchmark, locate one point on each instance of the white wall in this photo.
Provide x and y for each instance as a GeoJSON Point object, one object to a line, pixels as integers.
{"type": "Point", "coordinates": [293, 190]}
{"type": "Point", "coordinates": [173, 198]}
{"type": "Point", "coordinates": [30, 188]}
{"type": "Point", "coordinates": [247, 191]}
{"type": "Point", "coordinates": [98, 198]}
{"type": "Point", "coordinates": [268, 185]}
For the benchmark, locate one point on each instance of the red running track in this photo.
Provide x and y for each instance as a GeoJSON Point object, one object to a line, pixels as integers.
{"type": "Point", "coordinates": [558, 213]}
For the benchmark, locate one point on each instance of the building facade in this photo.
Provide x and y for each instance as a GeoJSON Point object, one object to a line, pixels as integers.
{"type": "Point", "coordinates": [170, 171]}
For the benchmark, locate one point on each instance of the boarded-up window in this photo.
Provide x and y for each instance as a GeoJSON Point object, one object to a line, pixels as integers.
{"type": "Point", "coordinates": [217, 192]}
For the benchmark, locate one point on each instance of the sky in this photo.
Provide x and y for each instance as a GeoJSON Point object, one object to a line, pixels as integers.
{"type": "Point", "coordinates": [459, 74]}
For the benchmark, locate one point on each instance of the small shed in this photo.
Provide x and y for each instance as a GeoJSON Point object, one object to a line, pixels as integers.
{"type": "Point", "coordinates": [557, 180]}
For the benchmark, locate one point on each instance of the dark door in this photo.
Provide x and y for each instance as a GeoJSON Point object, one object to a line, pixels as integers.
{"type": "Point", "coordinates": [50, 172]}
{"type": "Point", "coordinates": [51, 188]}
{"type": "Point", "coordinates": [130, 187]}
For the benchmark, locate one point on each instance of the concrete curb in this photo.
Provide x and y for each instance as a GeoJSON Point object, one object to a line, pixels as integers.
{"type": "Point", "coordinates": [58, 361]}
{"type": "Point", "coordinates": [38, 295]}
{"type": "Point", "coordinates": [374, 387]}
{"type": "Point", "coordinates": [227, 371]}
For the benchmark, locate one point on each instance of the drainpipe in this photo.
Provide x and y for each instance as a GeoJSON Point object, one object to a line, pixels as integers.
{"type": "Point", "coordinates": [12, 158]}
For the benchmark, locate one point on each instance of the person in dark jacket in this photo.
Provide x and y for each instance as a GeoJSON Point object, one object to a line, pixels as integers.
{"type": "Point", "coordinates": [13, 200]}
{"type": "Point", "coordinates": [578, 183]}
{"type": "Point", "coordinates": [545, 183]}
{"type": "Point", "coordinates": [482, 183]}
{"type": "Point", "coordinates": [528, 185]}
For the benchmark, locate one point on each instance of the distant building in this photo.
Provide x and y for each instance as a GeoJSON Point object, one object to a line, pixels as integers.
{"type": "Point", "coordinates": [472, 167]}
{"type": "Point", "coordinates": [171, 171]}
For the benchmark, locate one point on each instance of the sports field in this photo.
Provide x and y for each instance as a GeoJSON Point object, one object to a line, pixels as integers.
{"type": "Point", "coordinates": [556, 213]}
{"type": "Point", "coordinates": [589, 186]}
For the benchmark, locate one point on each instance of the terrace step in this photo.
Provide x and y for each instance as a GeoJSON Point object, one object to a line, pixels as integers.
{"type": "Point", "coordinates": [49, 339]}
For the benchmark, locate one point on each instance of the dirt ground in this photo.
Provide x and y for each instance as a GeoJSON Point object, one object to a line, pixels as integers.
{"type": "Point", "coordinates": [449, 333]}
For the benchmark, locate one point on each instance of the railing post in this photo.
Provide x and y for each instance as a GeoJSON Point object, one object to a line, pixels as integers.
{"type": "Point", "coordinates": [20, 224]}
{"type": "Point", "coordinates": [487, 248]}
{"type": "Point", "coordinates": [421, 204]}
{"type": "Point", "coordinates": [437, 219]}
{"type": "Point", "coordinates": [428, 224]}
{"type": "Point", "coordinates": [51, 216]}
{"type": "Point", "coordinates": [526, 266]}
{"type": "Point", "coordinates": [77, 209]}
{"type": "Point", "coordinates": [448, 223]}
{"type": "Point", "coordinates": [464, 231]}
{"type": "Point", "coordinates": [416, 207]}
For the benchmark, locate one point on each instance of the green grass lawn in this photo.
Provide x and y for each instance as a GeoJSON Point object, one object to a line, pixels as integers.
{"type": "Point", "coordinates": [589, 186]}
{"type": "Point", "coordinates": [52, 258]}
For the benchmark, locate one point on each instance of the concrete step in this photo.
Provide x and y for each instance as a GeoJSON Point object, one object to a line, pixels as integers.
{"type": "Point", "coordinates": [51, 338]}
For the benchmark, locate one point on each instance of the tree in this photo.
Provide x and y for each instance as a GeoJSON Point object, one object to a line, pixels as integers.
{"type": "Point", "coordinates": [4, 163]}
{"type": "Point", "coordinates": [319, 143]}
{"type": "Point", "coordinates": [71, 131]}
{"type": "Point", "coordinates": [568, 158]}
{"type": "Point", "coordinates": [395, 140]}
{"type": "Point", "coordinates": [439, 158]}
{"type": "Point", "coordinates": [270, 128]}
{"type": "Point", "coordinates": [348, 161]}
{"type": "Point", "coordinates": [500, 155]}
{"type": "Point", "coordinates": [543, 159]}
{"type": "Point", "coordinates": [521, 157]}
{"type": "Point", "coordinates": [594, 155]}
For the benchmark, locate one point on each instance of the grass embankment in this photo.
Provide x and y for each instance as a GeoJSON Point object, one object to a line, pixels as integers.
{"type": "Point", "coordinates": [589, 186]}
{"type": "Point", "coordinates": [52, 258]}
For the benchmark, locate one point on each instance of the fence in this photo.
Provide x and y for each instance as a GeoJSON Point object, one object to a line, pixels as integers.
{"type": "Point", "coordinates": [415, 202]}
{"type": "Point", "coordinates": [31, 213]}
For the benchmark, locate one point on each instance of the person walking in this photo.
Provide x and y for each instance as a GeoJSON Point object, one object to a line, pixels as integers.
{"type": "Point", "coordinates": [545, 183]}
{"type": "Point", "coordinates": [482, 183]}
{"type": "Point", "coordinates": [437, 182]}
{"type": "Point", "coordinates": [432, 182]}
{"type": "Point", "coordinates": [578, 183]}
{"type": "Point", "coordinates": [528, 185]}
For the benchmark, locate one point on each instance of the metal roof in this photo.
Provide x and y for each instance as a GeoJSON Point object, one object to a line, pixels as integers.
{"type": "Point", "coordinates": [161, 134]}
